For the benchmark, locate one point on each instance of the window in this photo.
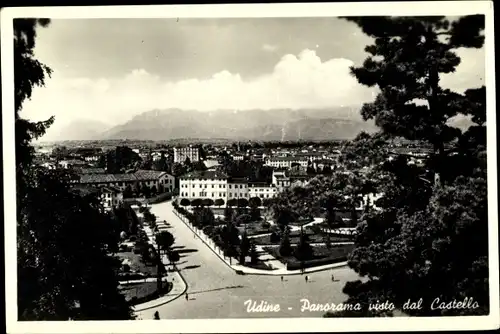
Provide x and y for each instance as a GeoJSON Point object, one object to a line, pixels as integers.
{"type": "Point", "coordinates": [205, 186]}
{"type": "Point", "coordinates": [213, 186]}
{"type": "Point", "coordinates": [230, 195]}
{"type": "Point", "coordinates": [213, 195]}
{"type": "Point", "coordinates": [241, 186]}
{"type": "Point", "coordinates": [194, 195]}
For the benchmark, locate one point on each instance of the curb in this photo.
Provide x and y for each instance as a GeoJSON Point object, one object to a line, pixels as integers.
{"type": "Point", "coordinates": [240, 272]}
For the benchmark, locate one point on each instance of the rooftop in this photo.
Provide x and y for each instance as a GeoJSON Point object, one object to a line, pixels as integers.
{"type": "Point", "coordinates": [140, 175]}
{"type": "Point", "coordinates": [208, 174]}
{"type": "Point", "coordinates": [295, 158]}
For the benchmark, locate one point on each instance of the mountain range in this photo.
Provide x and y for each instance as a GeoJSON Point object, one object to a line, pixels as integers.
{"type": "Point", "coordinates": [258, 124]}
{"type": "Point", "coordinates": [267, 125]}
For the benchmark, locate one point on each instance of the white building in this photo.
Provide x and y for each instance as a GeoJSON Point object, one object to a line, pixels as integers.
{"type": "Point", "coordinates": [287, 162]}
{"type": "Point", "coordinates": [262, 190]}
{"type": "Point", "coordinates": [111, 197]}
{"type": "Point", "coordinates": [216, 185]}
{"type": "Point", "coordinates": [66, 164]}
{"type": "Point", "coordinates": [182, 153]}
{"type": "Point", "coordinates": [237, 188]}
{"type": "Point", "coordinates": [204, 184]}
{"type": "Point", "coordinates": [280, 180]}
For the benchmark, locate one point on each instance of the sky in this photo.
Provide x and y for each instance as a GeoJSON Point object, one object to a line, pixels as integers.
{"type": "Point", "coordinates": [109, 70]}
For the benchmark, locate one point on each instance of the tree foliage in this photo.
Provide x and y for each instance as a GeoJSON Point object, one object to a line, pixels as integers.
{"type": "Point", "coordinates": [430, 236]}
{"type": "Point", "coordinates": [64, 270]}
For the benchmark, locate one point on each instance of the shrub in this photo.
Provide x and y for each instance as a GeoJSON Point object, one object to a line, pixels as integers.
{"type": "Point", "coordinates": [274, 237]}
{"type": "Point", "coordinates": [265, 225]}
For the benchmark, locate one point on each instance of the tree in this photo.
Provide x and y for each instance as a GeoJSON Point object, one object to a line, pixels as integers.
{"type": "Point", "coordinates": [254, 255]}
{"type": "Point", "coordinates": [285, 247]}
{"type": "Point", "coordinates": [164, 240]}
{"type": "Point", "coordinates": [146, 191]}
{"type": "Point", "coordinates": [178, 169]}
{"type": "Point", "coordinates": [283, 216]}
{"type": "Point", "coordinates": [204, 217]}
{"type": "Point", "coordinates": [228, 214]}
{"type": "Point", "coordinates": [174, 257]}
{"type": "Point", "coordinates": [185, 202]}
{"type": "Point", "coordinates": [244, 247]}
{"type": "Point", "coordinates": [414, 51]}
{"type": "Point", "coordinates": [242, 203]}
{"type": "Point", "coordinates": [416, 238]}
{"type": "Point", "coordinates": [127, 192]}
{"type": "Point", "coordinates": [64, 270]}
{"type": "Point", "coordinates": [208, 202]}
{"type": "Point", "coordinates": [198, 166]}
{"type": "Point", "coordinates": [304, 251]}
{"type": "Point", "coordinates": [255, 202]}
{"type": "Point", "coordinates": [154, 190]}
{"type": "Point", "coordinates": [136, 189]}
{"type": "Point", "coordinates": [232, 202]}
{"type": "Point", "coordinates": [197, 202]}
{"type": "Point", "coordinates": [219, 202]}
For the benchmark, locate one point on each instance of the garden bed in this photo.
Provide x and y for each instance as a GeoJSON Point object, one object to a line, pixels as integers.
{"type": "Point", "coordinates": [322, 256]}
{"type": "Point", "coordinates": [143, 292]}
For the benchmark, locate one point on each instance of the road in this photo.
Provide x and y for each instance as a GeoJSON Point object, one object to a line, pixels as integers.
{"type": "Point", "coordinates": [216, 291]}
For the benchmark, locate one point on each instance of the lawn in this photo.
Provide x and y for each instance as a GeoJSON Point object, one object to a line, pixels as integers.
{"type": "Point", "coordinates": [137, 265]}
{"type": "Point", "coordinates": [143, 292]}
{"type": "Point", "coordinates": [322, 256]}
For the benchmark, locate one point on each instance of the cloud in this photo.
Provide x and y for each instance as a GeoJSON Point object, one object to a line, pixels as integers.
{"type": "Point", "coordinates": [269, 47]}
{"type": "Point", "coordinates": [296, 81]}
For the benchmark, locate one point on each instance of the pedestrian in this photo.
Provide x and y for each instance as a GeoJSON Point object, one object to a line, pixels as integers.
{"type": "Point", "coordinates": [307, 278]}
{"type": "Point", "coordinates": [156, 316]}
{"type": "Point", "coordinates": [187, 296]}
{"type": "Point", "coordinates": [333, 279]}
{"type": "Point", "coordinates": [282, 278]}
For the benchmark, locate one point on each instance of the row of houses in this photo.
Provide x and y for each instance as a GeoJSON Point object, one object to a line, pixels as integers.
{"type": "Point", "coordinates": [140, 178]}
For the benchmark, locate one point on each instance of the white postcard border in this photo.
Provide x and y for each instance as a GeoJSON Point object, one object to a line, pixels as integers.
{"type": "Point", "coordinates": [449, 8]}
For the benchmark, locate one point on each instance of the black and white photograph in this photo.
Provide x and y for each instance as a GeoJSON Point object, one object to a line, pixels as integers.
{"type": "Point", "coordinates": [280, 167]}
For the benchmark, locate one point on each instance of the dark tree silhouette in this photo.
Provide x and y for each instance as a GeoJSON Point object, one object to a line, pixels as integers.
{"type": "Point", "coordinates": [64, 271]}
{"type": "Point", "coordinates": [417, 237]}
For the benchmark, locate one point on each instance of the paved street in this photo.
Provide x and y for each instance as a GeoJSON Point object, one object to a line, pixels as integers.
{"type": "Point", "coordinates": [216, 291]}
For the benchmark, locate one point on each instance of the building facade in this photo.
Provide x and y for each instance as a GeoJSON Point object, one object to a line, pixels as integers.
{"type": "Point", "coordinates": [287, 162]}
{"type": "Point", "coordinates": [204, 184]}
{"type": "Point", "coordinates": [182, 153]}
{"type": "Point", "coordinates": [111, 197]}
{"type": "Point", "coordinates": [216, 185]}
{"type": "Point", "coordinates": [262, 190]}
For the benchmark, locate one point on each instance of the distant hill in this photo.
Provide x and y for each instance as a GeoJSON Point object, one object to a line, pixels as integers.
{"type": "Point", "coordinates": [79, 129]}
{"type": "Point", "coordinates": [227, 125]}
{"type": "Point", "coordinates": [278, 124]}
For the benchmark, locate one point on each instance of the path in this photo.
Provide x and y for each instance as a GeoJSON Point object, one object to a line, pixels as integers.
{"type": "Point", "coordinates": [215, 291]}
